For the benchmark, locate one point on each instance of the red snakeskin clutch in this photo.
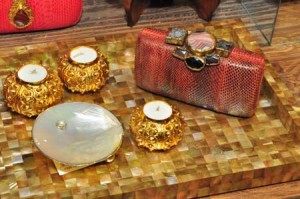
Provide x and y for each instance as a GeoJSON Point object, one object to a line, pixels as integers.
{"type": "Point", "coordinates": [32, 15]}
{"type": "Point", "coordinates": [232, 87]}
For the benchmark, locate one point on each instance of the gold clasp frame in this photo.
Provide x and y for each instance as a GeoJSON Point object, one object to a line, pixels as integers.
{"type": "Point", "coordinates": [20, 14]}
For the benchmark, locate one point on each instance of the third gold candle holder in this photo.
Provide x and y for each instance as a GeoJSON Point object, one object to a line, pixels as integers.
{"type": "Point", "coordinates": [156, 134]}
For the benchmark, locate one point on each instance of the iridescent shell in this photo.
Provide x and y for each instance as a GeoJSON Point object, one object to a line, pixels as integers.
{"type": "Point", "coordinates": [201, 42]}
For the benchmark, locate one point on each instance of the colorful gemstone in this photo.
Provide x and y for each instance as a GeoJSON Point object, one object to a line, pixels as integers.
{"type": "Point", "coordinates": [178, 33]}
{"type": "Point", "coordinates": [201, 41]}
{"type": "Point", "coordinates": [176, 36]}
{"type": "Point", "coordinates": [195, 63]}
{"type": "Point", "coordinates": [21, 19]}
{"type": "Point", "coordinates": [180, 53]}
{"type": "Point", "coordinates": [212, 60]}
{"type": "Point", "coordinates": [225, 45]}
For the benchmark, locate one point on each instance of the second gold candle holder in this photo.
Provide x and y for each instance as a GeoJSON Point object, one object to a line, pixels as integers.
{"type": "Point", "coordinates": [83, 69]}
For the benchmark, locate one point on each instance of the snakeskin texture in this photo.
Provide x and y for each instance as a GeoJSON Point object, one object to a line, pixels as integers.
{"type": "Point", "coordinates": [48, 14]}
{"type": "Point", "coordinates": [233, 87]}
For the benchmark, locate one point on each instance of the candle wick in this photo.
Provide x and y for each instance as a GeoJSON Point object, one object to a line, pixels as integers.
{"type": "Point", "coordinates": [79, 54]}
{"type": "Point", "coordinates": [157, 109]}
{"type": "Point", "coordinates": [33, 71]}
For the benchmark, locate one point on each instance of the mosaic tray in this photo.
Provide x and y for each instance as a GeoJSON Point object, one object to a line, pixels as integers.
{"type": "Point", "coordinates": [218, 153]}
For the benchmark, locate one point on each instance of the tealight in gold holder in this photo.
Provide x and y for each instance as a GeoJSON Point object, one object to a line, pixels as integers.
{"type": "Point", "coordinates": [32, 89]}
{"type": "Point", "coordinates": [157, 125]}
{"type": "Point", "coordinates": [83, 69]}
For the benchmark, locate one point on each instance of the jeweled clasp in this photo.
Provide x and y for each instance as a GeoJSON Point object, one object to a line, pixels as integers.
{"type": "Point", "coordinates": [201, 48]}
{"type": "Point", "coordinates": [20, 14]}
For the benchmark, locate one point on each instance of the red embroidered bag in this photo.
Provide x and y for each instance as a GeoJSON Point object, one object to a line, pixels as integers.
{"type": "Point", "coordinates": [32, 15]}
{"type": "Point", "coordinates": [222, 78]}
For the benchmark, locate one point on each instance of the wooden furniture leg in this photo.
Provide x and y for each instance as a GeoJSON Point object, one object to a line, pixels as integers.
{"type": "Point", "coordinates": [134, 8]}
{"type": "Point", "coordinates": [205, 8]}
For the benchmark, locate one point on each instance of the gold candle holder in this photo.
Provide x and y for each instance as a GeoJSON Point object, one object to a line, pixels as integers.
{"type": "Point", "coordinates": [32, 89]}
{"type": "Point", "coordinates": [157, 125]}
{"type": "Point", "coordinates": [83, 69]}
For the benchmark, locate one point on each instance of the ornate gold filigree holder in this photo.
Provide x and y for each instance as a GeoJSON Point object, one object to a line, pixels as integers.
{"type": "Point", "coordinates": [83, 69]}
{"type": "Point", "coordinates": [154, 134]}
{"type": "Point", "coordinates": [20, 14]}
{"type": "Point", "coordinates": [32, 98]}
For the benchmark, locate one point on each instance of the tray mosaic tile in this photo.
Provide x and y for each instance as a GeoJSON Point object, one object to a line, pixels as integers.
{"type": "Point", "coordinates": [218, 153]}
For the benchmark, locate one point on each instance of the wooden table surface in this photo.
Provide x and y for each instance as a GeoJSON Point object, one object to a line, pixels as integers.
{"type": "Point", "coordinates": [284, 53]}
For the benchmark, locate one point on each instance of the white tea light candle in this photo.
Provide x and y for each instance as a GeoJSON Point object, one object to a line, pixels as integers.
{"type": "Point", "coordinates": [157, 110]}
{"type": "Point", "coordinates": [31, 73]}
{"type": "Point", "coordinates": [83, 54]}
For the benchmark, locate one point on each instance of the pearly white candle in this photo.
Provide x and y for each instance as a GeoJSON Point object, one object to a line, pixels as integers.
{"type": "Point", "coordinates": [83, 54]}
{"type": "Point", "coordinates": [32, 73]}
{"type": "Point", "coordinates": [157, 110]}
